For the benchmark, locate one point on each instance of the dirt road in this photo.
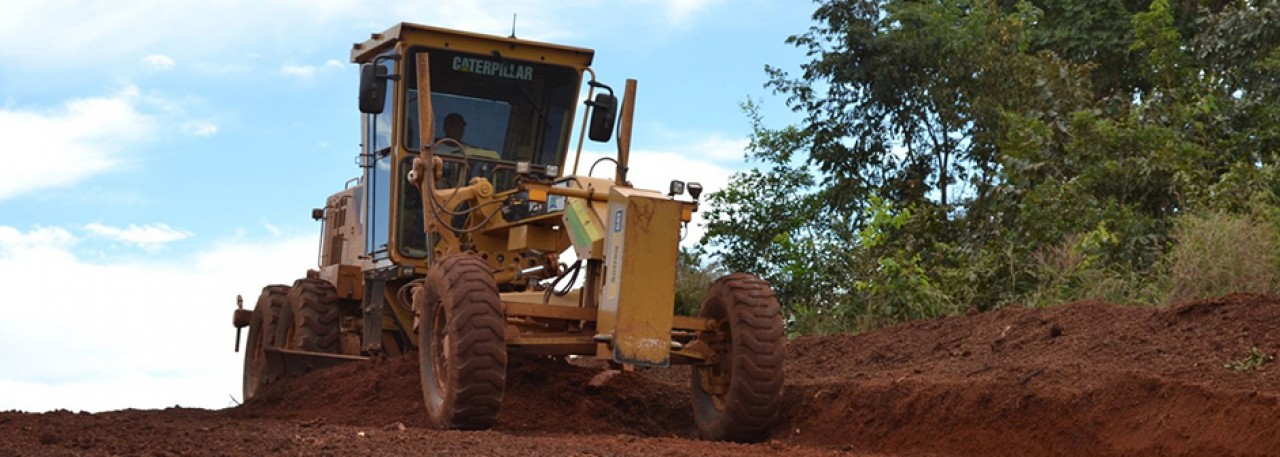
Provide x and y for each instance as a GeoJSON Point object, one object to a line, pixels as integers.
{"type": "Point", "coordinates": [1080, 379]}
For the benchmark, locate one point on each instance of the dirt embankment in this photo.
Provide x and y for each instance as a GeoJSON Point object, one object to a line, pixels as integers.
{"type": "Point", "coordinates": [1081, 379]}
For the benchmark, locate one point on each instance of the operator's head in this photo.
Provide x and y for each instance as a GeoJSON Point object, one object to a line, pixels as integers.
{"type": "Point", "coordinates": [454, 126]}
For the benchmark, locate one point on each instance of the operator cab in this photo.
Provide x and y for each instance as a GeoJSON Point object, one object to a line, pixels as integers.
{"type": "Point", "coordinates": [510, 111]}
{"type": "Point", "coordinates": [496, 102]}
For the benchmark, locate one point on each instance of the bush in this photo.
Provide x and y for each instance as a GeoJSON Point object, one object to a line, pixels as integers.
{"type": "Point", "coordinates": [1208, 255]}
{"type": "Point", "coordinates": [1220, 253]}
{"type": "Point", "coordinates": [694, 276]}
{"type": "Point", "coordinates": [1079, 268]}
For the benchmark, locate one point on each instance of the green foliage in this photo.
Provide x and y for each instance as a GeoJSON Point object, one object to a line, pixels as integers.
{"type": "Point", "coordinates": [894, 285]}
{"type": "Point", "coordinates": [969, 155]}
{"type": "Point", "coordinates": [908, 86]}
{"type": "Point", "coordinates": [694, 275]}
{"type": "Point", "coordinates": [1220, 253]}
{"type": "Point", "coordinates": [1253, 361]}
{"type": "Point", "coordinates": [1208, 255]}
{"type": "Point", "coordinates": [771, 222]}
{"type": "Point", "coordinates": [1076, 270]}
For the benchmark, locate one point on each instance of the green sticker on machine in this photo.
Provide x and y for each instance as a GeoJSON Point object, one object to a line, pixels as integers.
{"type": "Point", "coordinates": [584, 231]}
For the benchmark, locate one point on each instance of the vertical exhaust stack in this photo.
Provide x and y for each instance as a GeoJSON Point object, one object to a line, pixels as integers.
{"type": "Point", "coordinates": [624, 132]}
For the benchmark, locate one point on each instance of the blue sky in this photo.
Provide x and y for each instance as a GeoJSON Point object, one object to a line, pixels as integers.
{"type": "Point", "coordinates": [160, 157]}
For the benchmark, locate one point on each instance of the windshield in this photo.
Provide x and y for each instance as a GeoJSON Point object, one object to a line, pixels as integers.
{"type": "Point", "coordinates": [498, 109]}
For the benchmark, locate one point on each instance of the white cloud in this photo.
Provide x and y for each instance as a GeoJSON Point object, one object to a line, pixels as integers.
{"type": "Point", "coordinates": [142, 333]}
{"type": "Point", "coordinates": [158, 62]}
{"type": "Point", "coordinates": [200, 128]}
{"type": "Point", "coordinates": [45, 149]}
{"type": "Point", "coordinates": [51, 148]}
{"type": "Point", "coordinates": [149, 237]}
{"type": "Point", "coordinates": [718, 148]}
{"type": "Point", "coordinates": [177, 116]}
{"type": "Point", "coordinates": [682, 12]}
{"type": "Point", "coordinates": [107, 33]}
{"type": "Point", "coordinates": [655, 169]}
{"type": "Point", "coordinates": [534, 17]}
{"type": "Point", "coordinates": [713, 146]}
{"type": "Point", "coordinates": [222, 68]}
{"type": "Point", "coordinates": [275, 231]}
{"type": "Point", "coordinates": [38, 241]}
{"type": "Point", "coordinates": [308, 71]}
{"type": "Point", "coordinates": [298, 71]}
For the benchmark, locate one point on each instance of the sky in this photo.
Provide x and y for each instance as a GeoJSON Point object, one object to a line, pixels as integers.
{"type": "Point", "coordinates": [159, 157]}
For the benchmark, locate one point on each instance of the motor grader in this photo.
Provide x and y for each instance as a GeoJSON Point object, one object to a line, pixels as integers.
{"type": "Point", "coordinates": [465, 249]}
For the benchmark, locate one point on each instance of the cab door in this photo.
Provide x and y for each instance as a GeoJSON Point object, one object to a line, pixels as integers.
{"type": "Point", "coordinates": [376, 160]}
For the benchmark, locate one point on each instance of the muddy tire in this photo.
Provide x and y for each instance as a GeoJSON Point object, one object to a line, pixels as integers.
{"type": "Point", "coordinates": [737, 398]}
{"type": "Point", "coordinates": [310, 320]}
{"type": "Point", "coordinates": [462, 346]}
{"type": "Point", "coordinates": [262, 331]}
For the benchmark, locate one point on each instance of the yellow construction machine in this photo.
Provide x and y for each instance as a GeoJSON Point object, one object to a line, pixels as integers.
{"type": "Point", "coordinates": [464, 240]}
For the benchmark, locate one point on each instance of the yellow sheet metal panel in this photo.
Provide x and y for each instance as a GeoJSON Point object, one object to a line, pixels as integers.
{"type": "Point", "coordinates": [642, 249]}
{"type": "Point", "coordinates": [346, 279]}
{"type": "Point", "coordinates": [535, 237]}
{"type": "Point", "coordinates": [475, 43]}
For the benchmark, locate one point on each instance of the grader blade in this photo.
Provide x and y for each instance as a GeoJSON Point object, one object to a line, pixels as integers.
{"type": "Point", "coordinates": [284, 362]}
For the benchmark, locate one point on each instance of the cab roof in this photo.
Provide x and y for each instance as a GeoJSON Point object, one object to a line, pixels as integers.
{"type": "Point", "coordinates": [476, 43]}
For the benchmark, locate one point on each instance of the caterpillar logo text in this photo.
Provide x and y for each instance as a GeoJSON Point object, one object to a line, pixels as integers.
{"type": "Point", "coordinates": [491, 68]}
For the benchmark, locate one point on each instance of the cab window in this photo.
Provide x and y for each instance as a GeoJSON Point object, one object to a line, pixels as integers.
{"type": "Point", "coordinates": [513, 110]}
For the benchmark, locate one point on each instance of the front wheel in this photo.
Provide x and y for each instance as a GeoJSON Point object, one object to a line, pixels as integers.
{"type": "Point", "coordinates": [737, 396]}
{"type": "Point", "coordinates": [310, 320]}
{"type": "Point", "coordinates": [461, 344]}
{"type": "Point", "coordinates": [262, 330]}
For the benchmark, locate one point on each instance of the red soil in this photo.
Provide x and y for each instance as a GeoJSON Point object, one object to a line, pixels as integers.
{"type": "Point", "coordinates": [1081, 379]}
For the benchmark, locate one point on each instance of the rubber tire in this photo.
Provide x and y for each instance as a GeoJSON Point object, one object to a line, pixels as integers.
{"type": "Point", "coordinates": [748, 313]}
{"type": "Point", "coordinates": [462, 346]}
{"type": "Point", "coordinates": [311, 318]}
{"type": "Point", "coordinates": [262, 330]}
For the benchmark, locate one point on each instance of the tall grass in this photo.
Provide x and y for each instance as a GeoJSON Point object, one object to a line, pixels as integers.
{"type": "Point", "coordinates": [1067, 272]}
{"type": "Point", "coordinates": [1209, 255]}
{"type": "Point", "coordinates": [1219, 253]}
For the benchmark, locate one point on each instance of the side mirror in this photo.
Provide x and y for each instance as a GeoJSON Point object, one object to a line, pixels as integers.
{"type": "Point", "coordinates": [373, 88]}
{"type": "Point", "coordinates": [604, 112]}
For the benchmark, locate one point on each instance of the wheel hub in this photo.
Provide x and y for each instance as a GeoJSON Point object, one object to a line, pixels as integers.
{"type": "Point", "coordinates": [716, 376]}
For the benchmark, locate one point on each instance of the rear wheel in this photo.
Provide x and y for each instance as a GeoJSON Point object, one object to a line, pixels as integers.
{"type": "Point", "coordinates": [736, 397]}
{"type": "Point", "coordinates": [461, 344]}
{"type": "Point", "coordinates": [262, 331]}
{"type": "Point", "coordinates": [310, 321]}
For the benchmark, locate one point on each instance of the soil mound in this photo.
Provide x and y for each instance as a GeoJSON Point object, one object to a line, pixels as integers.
{"type": "Point", "coordinates": [1080, 379]}
{"type": "Point", "coordinates": [1087, 378]}
{"type": "Point", "coordinates": [374, 392]}
{"type": "Point", "coordinates": [543, 395]}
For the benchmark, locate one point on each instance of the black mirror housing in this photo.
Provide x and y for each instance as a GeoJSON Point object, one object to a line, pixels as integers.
{"type": "Point", "coordinates": [604, 112]}
{"type": "Point", "coordinates": [373, 88]}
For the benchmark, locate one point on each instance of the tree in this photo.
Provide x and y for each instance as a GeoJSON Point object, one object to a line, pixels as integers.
{"type": "Point", "coordinates": [950, 149]}
{"type": "Point", "coordinates": [770, 221]}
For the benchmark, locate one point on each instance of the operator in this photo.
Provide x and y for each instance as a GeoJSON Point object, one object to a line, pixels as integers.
{"type": "Point", "coordinates": [454, 127]}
